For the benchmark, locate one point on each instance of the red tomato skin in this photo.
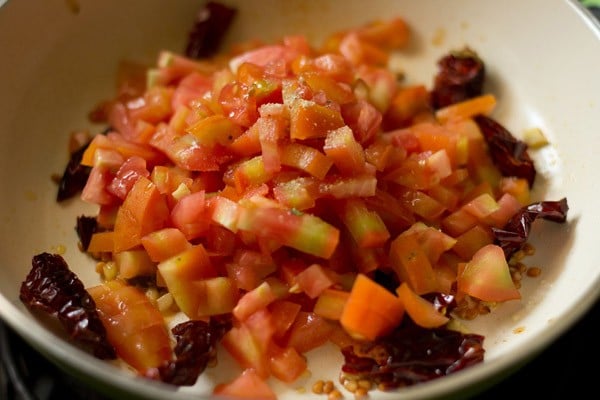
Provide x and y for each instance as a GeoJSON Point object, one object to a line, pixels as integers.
{"type": "Point", "coordinates": [308, 332]}
{"type": "Point", "coordinates": [248, 385]}
{"type": "Point", "coordinates": [127, 175]}
{"type": "Point", "coordinates": [134, 326]}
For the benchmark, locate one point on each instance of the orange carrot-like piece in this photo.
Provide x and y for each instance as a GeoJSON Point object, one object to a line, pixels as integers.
{"type": "Point", "coordinates": [101, 242]}
{"type": "Point", "coordinates": [371, 310]}
{"type": "Point", "coordinates": [483, 104]}
{"type": "Point", "coordinates": [421, 311]}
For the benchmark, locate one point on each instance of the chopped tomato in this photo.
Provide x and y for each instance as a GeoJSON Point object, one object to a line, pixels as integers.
{"type": "Point", "coordinates": [305, 192]}
{"type": "Point", "coordinates": [143, 211]}
{"type": "Point", "coordinates": [371, 310]}
{"type": "Point", "coordinates": [134, 326]}
{"type": "Point", "coordinates": [247, 385]}
{"type": "Point", "coordinates": [487, 276]}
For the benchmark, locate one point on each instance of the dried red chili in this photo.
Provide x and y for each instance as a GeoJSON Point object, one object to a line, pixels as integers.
{"type": "Point", "coordinates": [210, 26]}
{"type": "Point", "coordinates": [85, 228]}
{"type": "Point", "coordinates": [411, 354]}
{"type": "Point", "coordinates": [509, 154]}
{"type": "Point", "coordinates": [51, 287]}
{"type": "Point", "coordinates": [74, 176]}
{"type": "Point", "coordinates": [516, 232]}
{"type": "Point", "coordinates": [196, 347]}
{"type": "Point", "coordinates": [461, 76]}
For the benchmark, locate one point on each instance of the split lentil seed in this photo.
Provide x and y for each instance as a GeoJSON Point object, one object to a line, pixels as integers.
{"type": "Point", "coordinates": [328, 387]}
{"type": "Point", "coordinates": [317, 387]}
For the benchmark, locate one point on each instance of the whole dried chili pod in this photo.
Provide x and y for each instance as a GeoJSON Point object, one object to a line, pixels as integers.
{"type": "Point", "coordinates": [86, 226]}
{"type": "Point", "coordinates": [515, 233]}
{"type": "Point", "coordinates": [210, 26]}
{"type": "Point", "coordinates": [51, 287]}
{"type": "Point", "coordinates": [196, 347]}
{"type": "Point", "coordinates": [411, 354]}
{"type": "Point", "coordinates": [461, 76]}
{"type": "Point", "coordinates": [509, 154]}
{"type": "Point", "coordinates": [74, 176]}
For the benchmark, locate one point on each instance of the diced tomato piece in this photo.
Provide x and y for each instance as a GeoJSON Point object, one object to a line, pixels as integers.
{"type": "Point", "coordinates": [165, 243]}
{"type": "Point", "coordinates": [359, 51]}
{"type": "Point", "coordinates": [518, 187]}
{"type": "Point", "coordinates": [286, 364]}
{"type": "Point", "coordinates": [341, 94]}
{"type": "Point", "coordinates": [365, 226]}
{"type": "Point", "coordinates": [391, 210]}
{"type": "Point", "coordinates": [364, 185]}
{"type": "Point", "coordinates": [345, 152]}
{"type": "Point", "coordinates": [216, 296]}
{"type": "Point", "coordinates": [254, 300]}
{"type": "Point", "coordinates": [192, 87]}
{"type": "Point", "coordinates": [143, 211]}
{"type": "Point", "coordinates": [411, 264]}
{"type": "Point", "coordinates": [220, 241]}
{"type": "Point", "coordinates": [264, 55]}
{"type": "Point", "coordinates": [306, 158]}
{"type": "Point", "coordinates": [248, 143]}
{"type": "Point", "coordinates": [314, 280]}
{"type": "Point", "coordinates": [270, 132]}
{"type": "Point", "coordinates": [183, 274]}
{"type": "Point", "coordinates": [468, 243]}
{"type": "Point", "coordinates": [133, 263]}
{"type": "Point", "coordinates": [249, 268]}
{"type": "Point", "coordinates": [109, 159]}
{"type": "Point", "coordinates": [364, 120]}
{"type": "Point", "coordinates": [127, 175]}
{"type": "Point", "coordinates": [96, 187]}
{"type": "Point", "coordinates": [134, 326]}
{"type": "Point", "coordinates": [168, 178]}
{"type": "Point", "coordinates": [482, 206]}
{"type": "Point", "coordinates": [334, 66]}
{"type": "Point", "coordinates": [186, 151]}
{"type": "Point", "coordinates": [508, 205]}
{"type": "Point", "coordinates": [284, 314]}
{"type": "Point", "coordinates": [487, 276]}
{"type": "Point", "coordinates": [391, 34]}
{"type": "Point", "coordinates": [299, 193]}
{"type": "Point", "coordinates": [469, 108]}
{"type": "Point", "coordinates": [383, 155]}
{"type": "Point", "coordinates": [308, 332]}
{"type": "Point", "coordinates": [305, 232]}
{"type": "Point", "coordinates": [246, 349]}
{"type": "Point", "coordinates": [214, 129]}
{"type": "Point", "coordinates": [330, 303]}
{"type": "Point", "coordinates": [458, 222]}
{"type": "Point", "coordinates": [433, 241]}
{"type": "Point", "coordinates": [101, 242]}
{"type": "Point", "coordinates": [190, 216]}
{"type": "Point", "coordinates": [371, 310]}
{"type": "Point", "coordinates": [381, 84]}
{"type": "Point", "coordinates": [406, 104]}
{"type": "Point", "coordinates": [449, 197]}
{"type": "Point", "coordinates": [251, 173]}
{"type": "Point", "coordinates": [238, 105]}
{"type": "Point", "coordinates": [247, 385]}
{"type": "Point", "coordinates": [422, 312]}
{"type": "Point", "coordinates": [422, 204]}
{"type": "Point", "coordinates": [154, 106]}
{"type": "Point", "coordinates": [434, 137]}
{"type": "Point", "coordinates": [311, 120]}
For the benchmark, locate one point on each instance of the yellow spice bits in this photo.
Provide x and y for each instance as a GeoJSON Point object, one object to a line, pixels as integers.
{"type": "Point", "coordinates": [359, 387]}
{"type": "Point", "coordinates": [327, 388]}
